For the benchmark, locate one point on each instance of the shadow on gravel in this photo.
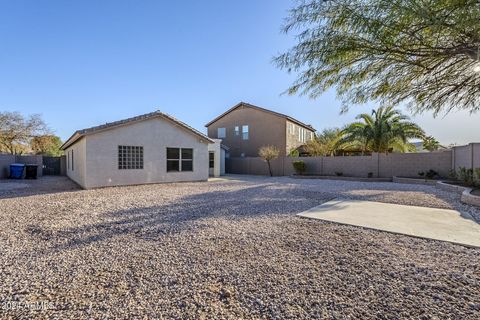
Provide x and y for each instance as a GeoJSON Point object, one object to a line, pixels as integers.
{"type": "Point", "coordinates": [195, 211]}
{"type": "Point", "coordinates": [189, 213]}
{"type": "Point", "coordinates": [12, 188]}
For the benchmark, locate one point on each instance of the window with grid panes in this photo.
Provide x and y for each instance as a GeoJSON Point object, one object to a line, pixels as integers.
{"type": "Point", "coordinates": [179, 159]}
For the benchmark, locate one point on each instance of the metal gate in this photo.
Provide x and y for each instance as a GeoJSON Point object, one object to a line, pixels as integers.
{"type": "Point", "coordinates": [52, 166]}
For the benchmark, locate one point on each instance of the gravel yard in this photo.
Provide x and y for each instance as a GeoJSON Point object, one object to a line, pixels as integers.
{"type": "Point", "coordinates": [224, 249]}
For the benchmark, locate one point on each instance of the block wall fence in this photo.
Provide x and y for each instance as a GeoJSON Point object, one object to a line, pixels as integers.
{"type": "Point", "coordinates": [7, 159]}
{"type": "Point", "coordinates": [379, 165]}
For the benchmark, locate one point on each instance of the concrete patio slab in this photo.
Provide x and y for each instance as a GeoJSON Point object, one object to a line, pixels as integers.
{"type": "Point", "coordinates": [431, 223]}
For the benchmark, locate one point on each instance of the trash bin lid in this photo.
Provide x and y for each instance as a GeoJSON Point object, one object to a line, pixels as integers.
{"type": "Point", "coordinates": [31, 165]}
{"type": "Point", "coordinates": [17, 165]}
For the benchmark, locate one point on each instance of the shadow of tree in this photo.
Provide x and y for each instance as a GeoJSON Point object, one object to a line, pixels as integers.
{"type": "Point", "coordinates": [187, 214]}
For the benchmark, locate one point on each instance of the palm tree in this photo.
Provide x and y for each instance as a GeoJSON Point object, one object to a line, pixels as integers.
{"type": "Point", "coordinates": [431, 144]}
{"type": "Point", "coordinates": [385, 130]}
{"type": "Point", "coordinates": [325, 143]}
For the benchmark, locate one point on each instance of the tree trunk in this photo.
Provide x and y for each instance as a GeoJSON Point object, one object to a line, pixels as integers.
{"type": "Point", "coordinates": [269, 168]}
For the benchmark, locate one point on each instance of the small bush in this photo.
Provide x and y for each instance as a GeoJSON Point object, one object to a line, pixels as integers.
{"type": "Point", "coordinates": [452, 174]}
{"type": "Point", "coordinates": [299, 166]}
{"type": "Point", "coordinates": [370, 175]}
{"type": "Point", "coordinates": [477, 176]}
{"type": "Point", "coordinates": [294, 153]}
{"type": "Point", "coordinates": [421, 174]}
{"type": "Point", "coordinates": [338, 173]}
{"type": "Point", "coordinates": [430, 174]}
{"type": "Point", "coordinates": [466, 176]}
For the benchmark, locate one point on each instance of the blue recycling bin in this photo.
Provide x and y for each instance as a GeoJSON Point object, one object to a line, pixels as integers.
{"type": "Point", "coordinates": [16, 170]}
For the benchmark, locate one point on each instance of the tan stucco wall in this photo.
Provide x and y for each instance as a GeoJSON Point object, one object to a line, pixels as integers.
{"type": "Point", "coordinates": [264, 129]}
{"type": "Point", "coordinates": [380, 165]}
{"type": "Point", "coordinates": [155, 135]}
{"type": "Point", "coordinates": [78, 174]}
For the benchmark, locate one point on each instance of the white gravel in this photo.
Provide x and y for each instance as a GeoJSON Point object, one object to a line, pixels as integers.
{"type": "Point", "coordinates": [227, 249]}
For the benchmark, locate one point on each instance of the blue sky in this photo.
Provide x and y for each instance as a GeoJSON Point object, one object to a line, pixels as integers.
{"type": "Point", "coordinates": [84, 63]}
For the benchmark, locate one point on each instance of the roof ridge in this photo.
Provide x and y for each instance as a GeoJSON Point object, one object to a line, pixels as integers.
{"type": "Point", "coordinates": [262, 109]}
{"type": "Point", "coordinates": [82, 132]}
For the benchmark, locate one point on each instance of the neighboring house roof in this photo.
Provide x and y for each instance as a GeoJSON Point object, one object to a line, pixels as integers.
{"type": "Point", "coordinates": [107, 126]}
{"type": "Point", "coordinates": [307, 126]}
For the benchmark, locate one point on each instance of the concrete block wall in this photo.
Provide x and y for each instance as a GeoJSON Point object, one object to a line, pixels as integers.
{"type": "Point", "coordinates": [254, 166]}
{"type": "Point", "coordinates": [410, 164]}
{"type": "Point", "coordinates": [466, 156]}
{"type": "Point", "coordinates": [379, 165]}
{"type": "Point", "coordinates": [7, 159]}
{"type": "Point", "coordinates": [354, 166]}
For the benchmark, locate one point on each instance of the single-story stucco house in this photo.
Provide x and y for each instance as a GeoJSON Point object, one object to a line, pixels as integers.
{"type": "Point", "coordinates": [150, 148]}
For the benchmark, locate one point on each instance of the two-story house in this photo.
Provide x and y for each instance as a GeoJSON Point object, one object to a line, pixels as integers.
{"type": "Point", "coordinates": [245, 128]}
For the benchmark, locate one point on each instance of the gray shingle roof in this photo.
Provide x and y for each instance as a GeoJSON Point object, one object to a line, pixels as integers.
{"type": "Point", "coordinates": [80, 133]}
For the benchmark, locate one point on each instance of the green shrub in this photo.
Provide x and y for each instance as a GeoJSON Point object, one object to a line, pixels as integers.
{"type": "Point", "coordinates": [338, 173]}
{"type": "Point", "coordinates": [299, 166]}
{"type": "Point", "coordinates": [370, 175]}
{"type": "Point", "coordinates": [294, 153]}
{"type": "Point", "coordinates": [452, 174]}
{"type": "Point", "coordinates": [466, 176]}
{"type": "Point", "coordinates": [477, 176]}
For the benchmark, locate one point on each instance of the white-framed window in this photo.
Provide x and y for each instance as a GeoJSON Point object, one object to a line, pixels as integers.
{"type": "Point", "coordinates": [68, 160]}
{"type": "Point", "coordinates": [237, 130]}
{"type": "Point", "coordinates": [221, 133]}
{"type": "Point", "coordinates": [245, 132]}
{"type": "Point", "coordinates": [130, 157]}
{"type": "Point", "coordinates": [302, 134]}
{"type": "Point", "coordinates": [179, 159]}
{"type": "Point", "coordinates": [73, 167]}
{"type": "Point", "coordinates": [291, 128]}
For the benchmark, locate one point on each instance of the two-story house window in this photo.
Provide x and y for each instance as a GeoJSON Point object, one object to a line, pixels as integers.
{"type": "Point", "coordinates": [221, 133]}
{"type": "Point", "coordinates": [291, 128]}
{"type": "Point", "coordinates": [303, 135]}
{"type": "Point", "coordinates": [245, 132]}
{"type": "Point", "coordinates": [237, 130]}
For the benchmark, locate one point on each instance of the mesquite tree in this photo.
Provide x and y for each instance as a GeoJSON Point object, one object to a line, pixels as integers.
{"type": "Point", "coordinates": [425, 53]}
{"type": "Point", "coordinates": [17, 131]}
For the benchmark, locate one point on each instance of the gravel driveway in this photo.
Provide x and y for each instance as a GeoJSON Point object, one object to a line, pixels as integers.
{"type": "Point", "coordinates": [224, 249]}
